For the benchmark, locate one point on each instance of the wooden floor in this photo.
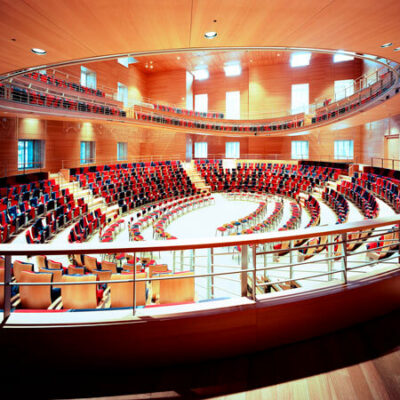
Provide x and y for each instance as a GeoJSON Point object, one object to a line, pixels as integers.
{"type": "Point", "coordinates": [362, 362]}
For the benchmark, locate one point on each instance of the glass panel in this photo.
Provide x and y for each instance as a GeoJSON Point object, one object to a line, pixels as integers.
{"type": "Point", "coordinates": [233, 105]}
{"type": "Point", "coordinates": [344, 88]}
{"type": "Point", "coordinates": [201, 102]}
{"type": "Point", "coordinates": [232, 149]}
{"type": "Point", "coordinates": [200, 150]}
{"type": "Point", "coordinates": [300, 98]}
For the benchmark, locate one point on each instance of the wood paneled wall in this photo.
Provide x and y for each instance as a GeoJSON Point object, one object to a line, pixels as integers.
{"type": "Point", "coordinates": [108, 74]}
{"type": "Point", "coordinates": [62, 142]}
{"type": "Point", "coordinates": [270, 85]}
{"type": "Point", "coordinates": [216, 87]}
{"type": "Point", "coordinates": [167, 87]}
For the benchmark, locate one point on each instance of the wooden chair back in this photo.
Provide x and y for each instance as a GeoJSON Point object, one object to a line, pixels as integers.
{"type": "Point", "coordinates": [110, 266]}
{"type": "Point", "coordinates": [103, 274]}
{"type": "Point", "coordinates": [54, 264]}
{"type": "Point", "coordinates": [90, 262]}
{"type": "Point", "coordinates": [57, 275]}
{"type": "Point", "coordinates": [79, 296]}
{"type": "Point", "coordinates": [41, 261]}
{"type": "Point", "coordinates": [131, 267]}
{"type": "Point", "coordinates": [37, 297]}
{"type": "Point", "coordinates": [18, 267]}
{"type": "Point", "coordinates": [153, 269]}
{"type": "Point", "coordinates": [177, 290]}
{"type": "Point", "coordinates": [122, 293]}
{"type": "Point", "coordinates": [78, 260]}
{"type": "Point", "coordinates": [73, 270]}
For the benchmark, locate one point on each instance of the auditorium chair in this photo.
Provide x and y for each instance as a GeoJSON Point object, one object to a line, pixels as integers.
{"type": "Point", "coordinates": [82, 296]}
{"type": "Point", "coordinates": [177, 290]}
{"type": "Point", "coordinates": [57, 275]}
{"type": "Point", "coordinates": [121, 294]}
{"type": "Point", "coordinates": [19, 267]}
{"type": "Point", "coordinates": [33, 297]}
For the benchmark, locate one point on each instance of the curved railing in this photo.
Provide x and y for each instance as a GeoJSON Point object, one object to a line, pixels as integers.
{"type": "Point", "coordinates": [252, 273]}
{"type": "Point", "coordinates": [42, 100]}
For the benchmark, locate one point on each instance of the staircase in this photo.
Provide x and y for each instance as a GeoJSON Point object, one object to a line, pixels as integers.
{"type": "Point", "coordinates": [196, 178]}
{"type": "Point", "coordinates": [78, 192]}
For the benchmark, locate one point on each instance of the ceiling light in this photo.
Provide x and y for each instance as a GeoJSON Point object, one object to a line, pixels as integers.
{"type": "Point", "coordinates": [210, 35]}
{"type": "Point", "coordinates": [146, 66]}
{"type": "Point", "coordinates": [386, 44]}
{"type": "Point", "coordinates": [40, 52]}
{"type": "Point", "coordinates": [151, 62]}
{"type": "Point", "coordinates": [151, 67]}
{"type": "Point", "coordinates": [397, 49]}
{"type": "Point", "coordinates": [278, 54]}
{"type": "Point", "coordinates": [178, 58]}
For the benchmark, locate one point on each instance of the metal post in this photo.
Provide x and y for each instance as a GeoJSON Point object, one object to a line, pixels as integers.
{"type": "Point", "coordinates": [254, 249]}
{"type": "Point", "coordinates": [344, 247]}
{"type": "Point", "coordinates": [291, 259]}
{"type": "Point", "coordinates": [7, 288]}
{"type": "Point", "coordinates": [244, 265]}
{"type": "Point", "coordinates": [330, 255]}
{"type": "Point", "coordinates": [182, 260]}
{"type": "Point", "coordinates": [212, 272]}
{"type": "Point", "coordinates": [134, 285]}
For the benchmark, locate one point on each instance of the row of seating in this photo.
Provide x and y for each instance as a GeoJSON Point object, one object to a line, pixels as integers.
{"type": "Point", "coordinates": [338, 203]}
{"type": "Point", "coordinates": [183, 111]}
{"type": "Point", "coordinates": [32, 97]}
{"type": "Point", "coordinates": [364, 200]}
{"type": "Point", "coordinates": [250, 223]}
{"type": "Point", "coordinates": [60, 83]}
{"type": "Point", "coordinates": [90, 296]}
{"type": "Point", "coordinates": [183, 206]}
{"type": "Point", "coordinates": [132, 165]}
{"type": "Point", "coordinates": [87, 226]}
{"type": "Point", "coordinates": [217, 126]}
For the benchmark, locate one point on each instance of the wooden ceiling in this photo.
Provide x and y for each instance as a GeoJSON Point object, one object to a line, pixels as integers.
{"type": "Point", "coordinates": [75, 29]}
{"type": "Point", "coordinates": [213, 60]}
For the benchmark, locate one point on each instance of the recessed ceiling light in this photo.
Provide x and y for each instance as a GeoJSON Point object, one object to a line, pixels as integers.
{"type": "Point", "coordinates": [178, 58]}
{"type": "Point", "coordinates": [151, 62]}
{"type": "Point", "coordinates": [279, 54]}
{"type": "Point", "coordinates": [386, 44]}
{"type": "Point", "coordinates": [210, 35]}
{"type": "Point", "coordinates": [40, 52]}
{"type": "Point", "coordinates": [151, 67]}
{"type": "Point", "coordinates": [146, 66]}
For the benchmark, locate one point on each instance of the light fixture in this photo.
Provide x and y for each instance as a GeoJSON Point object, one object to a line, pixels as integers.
{"type": "Point", "coordinates": [38, 51]}
{"type": "Point", "coordinates": [178, 58]}
{"type": "Point", "coordinates": [151, 67]}
{"type": "Point", "coordinates": [210, 35]}
{"type": "Point", "coordinates": [387, 45]}
{"type": "Point", "coordinates": [396, 49]}
{"type": "Point", "coordinates": [151, 62]}
{"type": "Point", "coordinates": [147, 66]}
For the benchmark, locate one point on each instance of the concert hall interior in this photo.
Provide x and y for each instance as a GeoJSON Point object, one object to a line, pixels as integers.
{"type": "Point", "coordinates": [200, 198]}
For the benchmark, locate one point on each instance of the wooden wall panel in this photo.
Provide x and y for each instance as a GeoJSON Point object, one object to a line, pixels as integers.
{"type": "Point", "coordinates": [216, 87]}
{"type": "Point", "coordinates": [167, 87]}
{"type": "Point", "coordinates": [270, 85]}
{"type": "Point", "coordinates": [108, 74]}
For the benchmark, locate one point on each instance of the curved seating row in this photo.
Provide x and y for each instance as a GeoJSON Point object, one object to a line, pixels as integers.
{"type": "Point", "coordinates": [152, 116]}
{"type": "Point", "coordinates": [36, 98]}
{"type": "Point", "coordinates": [60, 83]}
{"type": "Point", "coordinates": [183, 111]}
{"type": "Point", "coordinates": [338, 203]}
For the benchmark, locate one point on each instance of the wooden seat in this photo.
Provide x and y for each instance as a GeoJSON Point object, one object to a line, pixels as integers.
{"type": "Point", "coordinates": [310, 251]}
{"type": "Point", "coordinates": [73, 270]}
{"type": "Point", "coordinates": [131, 267]}
{"type": "Point", "coordinates": [56, 273]}
{"type": "Point", "coordinates": [79, 296]}
{"type": "Point", "coordinates": [110, 266]}
{"type": "Point", "coordinates": [41, 261]}
{"type": "Point", "coordinates": [155, 285]}
{"type": "Point", "coordinates": [34, 297]}
{"type": "Point", "coordinates": [90, 263]}
{"type": "Point", "coordinates": [19, 266]}
{"type": "Point", "coordinates": [177, 290]}
{"type": "Point", "coordinates": [387, 244]}
{"type": "Point", "coordinates": [103, 274]}
{"type": "Point", "coordinates": [78, 260]}
{"type": "Point", "coordinates": [121, 294]}
{"type": "Point", "coordinates": [54, 264]}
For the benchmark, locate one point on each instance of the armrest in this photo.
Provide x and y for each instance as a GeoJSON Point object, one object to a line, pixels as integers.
{"type": "Point", "coordinates": [56, 305]}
